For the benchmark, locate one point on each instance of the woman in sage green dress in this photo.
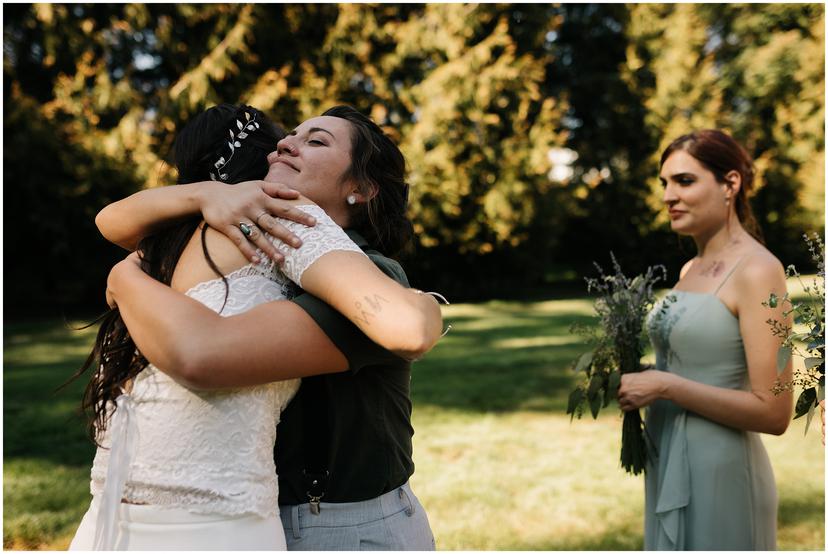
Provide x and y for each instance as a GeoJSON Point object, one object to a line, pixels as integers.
{"type": "Point", "coordinates": [709, 485]}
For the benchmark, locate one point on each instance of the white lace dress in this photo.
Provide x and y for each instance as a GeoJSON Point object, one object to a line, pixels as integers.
{"type": "Point", "coordinates": [207, 453]}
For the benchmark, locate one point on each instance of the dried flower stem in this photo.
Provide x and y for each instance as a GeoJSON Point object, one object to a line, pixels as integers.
{"type": "Point", "coordinates": [622, 307]}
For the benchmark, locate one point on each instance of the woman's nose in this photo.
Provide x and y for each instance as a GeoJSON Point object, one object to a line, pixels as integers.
{"type": "Point", "coordinates": [285, 147]}
{"type": "Point", "coordinates": [669, 195]}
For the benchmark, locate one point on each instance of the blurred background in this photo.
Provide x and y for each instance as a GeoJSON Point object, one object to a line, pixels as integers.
{"type": "Point", "coordinates": [532, 134]}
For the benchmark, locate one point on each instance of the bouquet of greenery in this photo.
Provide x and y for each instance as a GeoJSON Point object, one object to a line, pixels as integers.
{"type": "Point", "coordinates": [809, 344]}
{"type": "Point", "coordinates": [622, 307]}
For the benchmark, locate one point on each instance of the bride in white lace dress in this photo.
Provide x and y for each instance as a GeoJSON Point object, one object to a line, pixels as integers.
{"type": "Point", "coordinates": [183, 469]}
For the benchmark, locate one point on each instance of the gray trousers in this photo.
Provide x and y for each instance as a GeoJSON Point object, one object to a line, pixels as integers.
{"type": "Point", "coordinates": [394, 521]}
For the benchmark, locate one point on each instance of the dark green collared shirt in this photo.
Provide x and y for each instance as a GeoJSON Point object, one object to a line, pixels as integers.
{"type": "Point", "coordinates": [368, 406]}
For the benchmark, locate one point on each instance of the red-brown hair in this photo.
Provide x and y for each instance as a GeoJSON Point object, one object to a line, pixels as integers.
{"type": "Point", "coordinates": [720, 154]}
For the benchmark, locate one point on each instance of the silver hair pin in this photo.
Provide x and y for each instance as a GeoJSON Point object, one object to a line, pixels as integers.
{"type": "Point", "coordinates": [243, 130]}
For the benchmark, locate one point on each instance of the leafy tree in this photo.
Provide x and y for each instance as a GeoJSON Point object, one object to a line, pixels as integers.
{"type": "Point", "coordinates": [755, 71]}
{"type": "Point", "coordinates": [483, 99]}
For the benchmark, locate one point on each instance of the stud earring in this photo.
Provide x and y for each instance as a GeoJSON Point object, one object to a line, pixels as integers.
{"type": "Point", "coordinates": [351, 199]}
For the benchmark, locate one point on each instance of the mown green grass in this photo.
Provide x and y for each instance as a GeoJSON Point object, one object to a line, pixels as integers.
{"type": "Point", "coordinates": [499, 465]}
{"type": "Point", "coordinates": [46, 453]}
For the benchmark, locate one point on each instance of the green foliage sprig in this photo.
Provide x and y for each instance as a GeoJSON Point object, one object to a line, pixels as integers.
{"type": "Point", "coordinates": [809, 344]}
{"type": "Point", "coordinates": [619, 341]}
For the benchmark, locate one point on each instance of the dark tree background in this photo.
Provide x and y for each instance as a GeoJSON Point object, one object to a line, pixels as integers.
{"type": "Point", "coordinates": [532, 132]}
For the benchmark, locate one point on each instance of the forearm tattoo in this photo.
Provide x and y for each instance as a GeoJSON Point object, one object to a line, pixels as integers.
{"type": "Point", "coordinates": [371, 306]}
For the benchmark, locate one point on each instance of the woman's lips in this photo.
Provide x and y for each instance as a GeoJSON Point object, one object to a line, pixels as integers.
{"type": "Point", "coordinates": [287, 163]}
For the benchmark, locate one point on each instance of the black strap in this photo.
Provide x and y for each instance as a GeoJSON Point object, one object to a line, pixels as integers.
{"type": "Point", "coordinates": [316, 428]}
{"type": "Point", "coordinates": [315, 437]}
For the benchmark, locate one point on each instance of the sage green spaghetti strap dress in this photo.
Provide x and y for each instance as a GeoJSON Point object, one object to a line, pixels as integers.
{"type": "Point", "coordinates": [711, 487]}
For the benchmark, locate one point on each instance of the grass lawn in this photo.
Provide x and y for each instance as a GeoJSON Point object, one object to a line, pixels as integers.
{"type": "Point", "coordinates": [499, 465]}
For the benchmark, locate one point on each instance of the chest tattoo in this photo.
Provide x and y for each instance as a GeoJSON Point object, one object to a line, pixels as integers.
{"type": "Point", "coordinates": [714, 269]}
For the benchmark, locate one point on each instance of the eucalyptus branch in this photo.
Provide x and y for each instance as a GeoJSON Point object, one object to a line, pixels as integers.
{"type": "Point", "coordinates": [808, 345]}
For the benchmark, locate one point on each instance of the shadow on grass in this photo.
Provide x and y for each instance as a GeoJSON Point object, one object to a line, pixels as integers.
{"type": "Point", "coordinates": [508, 357]}
{"type": "Point", "coordinates": [498, 357]}
{"type": "Point", "coordinates": [38, 420]}
{"type": "Point", "coordinates": [46, 452]}
{"type": "Point", "coordinates": [805, 507]}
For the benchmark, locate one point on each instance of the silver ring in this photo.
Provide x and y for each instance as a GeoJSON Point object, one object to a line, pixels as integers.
{"type": "Point", "coordinates": [259, 216]}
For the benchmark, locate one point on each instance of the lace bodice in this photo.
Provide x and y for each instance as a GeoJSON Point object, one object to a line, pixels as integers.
{"type": "Point", "coordinates": [212, 452]}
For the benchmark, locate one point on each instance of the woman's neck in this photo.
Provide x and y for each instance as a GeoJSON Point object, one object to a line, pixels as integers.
{"type": "Point", "coordinates": [718, 240]}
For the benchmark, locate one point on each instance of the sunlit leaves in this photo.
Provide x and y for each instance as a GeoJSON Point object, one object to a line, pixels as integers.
{"type": "Point", "coordinates": [475, 94]}
{"type": "Point", "coordinates": [756, 71]}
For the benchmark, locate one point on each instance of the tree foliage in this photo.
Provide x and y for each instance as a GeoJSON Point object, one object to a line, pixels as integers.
{"type": "Point", "coordinates": [478, 96]}
{"type": "Point", "coordinates": [755, 70]}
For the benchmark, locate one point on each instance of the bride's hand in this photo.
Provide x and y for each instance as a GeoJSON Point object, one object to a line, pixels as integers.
{"type": "Point", "coordinates": [642, 388]}
{"type": "Point", "coordinates": [130, 263]}
{"type": "Point", "coordinates": [257, 204]}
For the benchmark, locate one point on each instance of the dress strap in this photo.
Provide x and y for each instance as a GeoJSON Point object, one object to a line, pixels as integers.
{"type": "Point", "coordinates": [739, 261]}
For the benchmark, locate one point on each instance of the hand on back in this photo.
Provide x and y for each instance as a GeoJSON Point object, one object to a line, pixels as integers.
{"type": "Point", "coordinates": [257, 204]}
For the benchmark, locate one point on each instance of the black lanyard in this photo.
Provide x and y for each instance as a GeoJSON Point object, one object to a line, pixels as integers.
{"type": "Point", "coordinates": [315, 439]}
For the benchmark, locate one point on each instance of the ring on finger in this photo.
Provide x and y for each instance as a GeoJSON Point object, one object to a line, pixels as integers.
{"type": "Point", "coordinates": [259, 217]}
{"type": "Point", "coordinates": [249, 230]}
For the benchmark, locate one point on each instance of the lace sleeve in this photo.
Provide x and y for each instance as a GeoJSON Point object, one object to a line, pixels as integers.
{"type": "Point", "coordinates": [326, 236]}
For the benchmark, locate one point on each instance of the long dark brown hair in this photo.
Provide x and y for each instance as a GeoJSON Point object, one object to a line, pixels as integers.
{"type": "Point", "coordinates": [378, 167]}
{"type": "Point", "coordinates": [720, 154]}
{"type": "Point", "coordinates": [198, 146]}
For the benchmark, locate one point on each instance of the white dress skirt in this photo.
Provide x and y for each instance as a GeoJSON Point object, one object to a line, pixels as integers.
{"type": "Point", "coordinates": [145, 527]}
{"type": "Point", "coordinates": [180, 469]}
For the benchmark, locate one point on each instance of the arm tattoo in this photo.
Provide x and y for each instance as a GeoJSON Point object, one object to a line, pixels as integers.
{"type": "Point", "coordinates": [375, 302]}
{"type": "Point", "coordinates": [374, 306]}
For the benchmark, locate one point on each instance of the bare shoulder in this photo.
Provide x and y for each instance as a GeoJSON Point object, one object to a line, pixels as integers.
{"type": "Point", "coordinates": [761, 264]}
{"type": "Point", "coordinates": [761, 273]}
{"type": "Point", "coordinates": [685, 268]}
{"type": "Point", "coordinates": [192, 267]}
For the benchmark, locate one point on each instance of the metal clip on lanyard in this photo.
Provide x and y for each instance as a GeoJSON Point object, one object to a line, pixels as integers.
{"type": "Point", "coordinates": [316, 489]}
{"type": "Point", "coordinates": [316, 437]}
